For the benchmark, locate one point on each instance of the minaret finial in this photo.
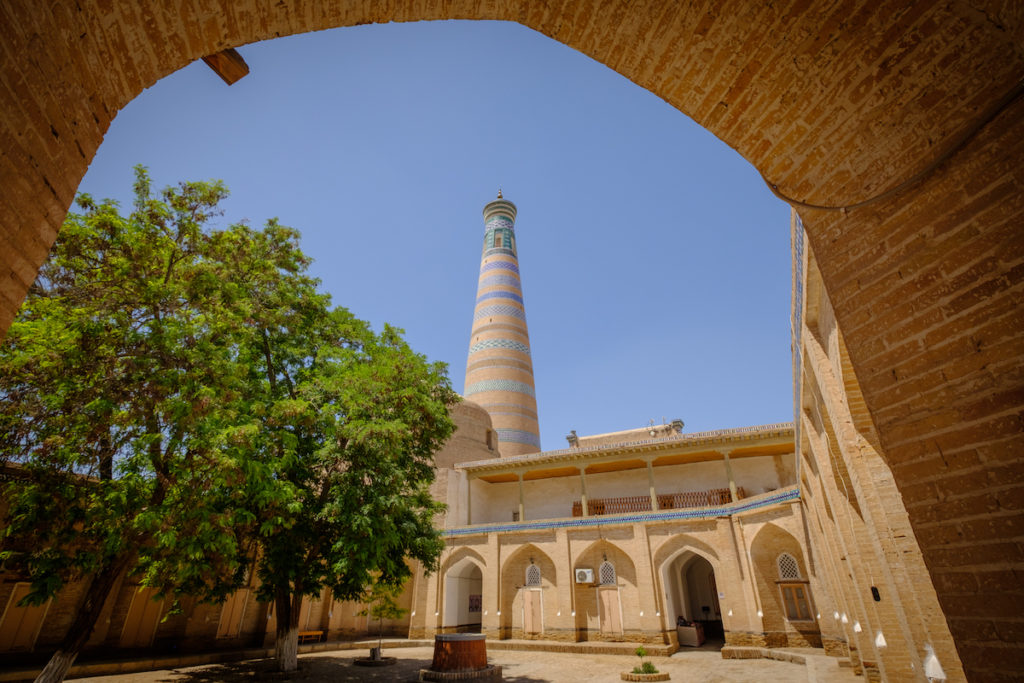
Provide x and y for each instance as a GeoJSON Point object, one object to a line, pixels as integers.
{"type": "Point", "coordinates": [499, 193]}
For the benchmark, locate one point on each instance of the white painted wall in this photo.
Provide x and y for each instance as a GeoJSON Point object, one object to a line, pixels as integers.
{"type": "Point", "coordinates": [494, 503]}
{"type": "Point", "coordinates": [756, 475]}
{"type": "Point", "coordinates": [458, 588]}
{"type": "Point", "coordinates": [550, 498]}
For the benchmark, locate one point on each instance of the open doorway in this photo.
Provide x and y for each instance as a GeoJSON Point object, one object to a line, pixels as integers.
{"type": "Point", "coordinates": [692, 597]}
{"type": "Point", "coordinates": [463, 589]}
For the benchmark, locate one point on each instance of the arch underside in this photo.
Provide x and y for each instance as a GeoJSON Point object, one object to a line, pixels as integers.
{"type": "Point", "coordinates": [832, 102]}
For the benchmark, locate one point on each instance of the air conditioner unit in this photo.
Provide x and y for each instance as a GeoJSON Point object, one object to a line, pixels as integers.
{"type": "Point", "coordinates": [584, 576]}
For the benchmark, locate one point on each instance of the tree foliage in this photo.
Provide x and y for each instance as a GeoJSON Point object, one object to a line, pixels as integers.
{"type": "Point", "coordinates": [176, 401]}
{"type": "Point", "coordinates": [343, 424]}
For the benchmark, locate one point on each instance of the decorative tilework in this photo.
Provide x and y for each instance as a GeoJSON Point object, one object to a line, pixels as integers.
{"type": "Point", "coordinates": [498, 250]}
{"type": "Point", "coordinates": [518, 436]}
{"type": "Point", "coordinates": [514, 413]}
{"type": "Point", "coordinates": [500, 344]}
{"type": "Point", "coordinates": [500, 295]}
{"type": "Point", "coordinates": [498, 222]}
{"type": "Point", "coordinates": [500, 265]}
{"type": "Point", "coordinates": [784, 496]}
{"type": "Point", "coordinates": [519, 369]}
{"type": "Point", "coordinates": [497, 280]}
{"type": "Point", "coordinates": [501, 309]}
{"type": "Point", "coordinates": [498, 385]}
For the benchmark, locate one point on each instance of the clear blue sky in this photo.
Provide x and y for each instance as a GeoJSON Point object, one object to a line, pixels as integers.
{"type": "Point", "coordinates": [655, 263]}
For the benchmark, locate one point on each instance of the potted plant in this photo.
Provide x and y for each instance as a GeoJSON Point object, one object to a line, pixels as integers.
{"type": "Point", "coordinates": [646, 671]}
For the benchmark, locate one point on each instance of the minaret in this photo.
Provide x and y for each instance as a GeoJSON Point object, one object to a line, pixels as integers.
{"type": "Point", "coordinates": [499, 372]}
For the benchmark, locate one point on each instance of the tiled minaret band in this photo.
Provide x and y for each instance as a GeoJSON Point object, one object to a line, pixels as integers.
{"type": "Point", "coordinates": [499, 372]}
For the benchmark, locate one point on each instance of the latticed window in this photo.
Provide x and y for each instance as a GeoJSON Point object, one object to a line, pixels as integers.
{"type": "Point", "coordinates": [788, 568]}
{"type": "Point", "coordinates": [606, 573]}
{"type": "Point", "coordinates": [533, 575]}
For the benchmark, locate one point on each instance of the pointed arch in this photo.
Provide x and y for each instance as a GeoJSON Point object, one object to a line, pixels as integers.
{"type": "Point", "coordinates": [514, 622]}
{"type": "Point", "coordinates": [679, 543]}
{"type": "Point", "coordinates": [462, 583]}
{"type": "Point", "coordinates": [687, 571]}
{"type": "Point", "coordinates": [786, 603]}
{"type": "Point", "coordinates": [460, 554]}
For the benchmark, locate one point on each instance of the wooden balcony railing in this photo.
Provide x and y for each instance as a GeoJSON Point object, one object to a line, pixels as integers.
{"type": "Point", "coordinates": [667, 501]}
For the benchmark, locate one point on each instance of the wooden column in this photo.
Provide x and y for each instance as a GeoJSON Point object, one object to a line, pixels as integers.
{"type": "Point", "coordinates": [650, 486]}
{"type": "Point", "coordinates": [728, 472]}
{"type": "Point", "coordinates": [522, 512]}
{"type": "Point", "coordinates": [583, 494]}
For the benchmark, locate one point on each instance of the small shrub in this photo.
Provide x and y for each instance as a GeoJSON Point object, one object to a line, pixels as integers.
{"type": "Point", "coordinates": [645, 667]}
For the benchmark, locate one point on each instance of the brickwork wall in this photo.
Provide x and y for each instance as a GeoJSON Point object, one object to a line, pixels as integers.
{"type": "Point", "coordinates": [642, 554]}
{"type": "Point", "coordinates": [846, 100]}
{"type": "Point", "coordinates": [859, 521]}
{"type": "Point", "coordinates": [770, 542]}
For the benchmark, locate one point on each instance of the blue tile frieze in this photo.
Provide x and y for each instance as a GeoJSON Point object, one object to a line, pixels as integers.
{"type": "Point", "coordinates": [785, 496]}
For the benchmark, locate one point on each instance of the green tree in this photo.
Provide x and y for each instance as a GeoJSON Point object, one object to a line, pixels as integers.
{"type": "Point", "coordinates": [113, 379]}
{"type": "Point", "coordinates": [178, 401]}
{"type": "Point", "coordinates": [342, 423]}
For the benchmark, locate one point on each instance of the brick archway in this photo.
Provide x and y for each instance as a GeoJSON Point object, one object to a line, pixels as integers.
{"type": "Point", "coordinates": [832, 102]}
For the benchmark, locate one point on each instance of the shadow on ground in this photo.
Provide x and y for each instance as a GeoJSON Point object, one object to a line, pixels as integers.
{"type": "Point", "coordinates": [313, 669]}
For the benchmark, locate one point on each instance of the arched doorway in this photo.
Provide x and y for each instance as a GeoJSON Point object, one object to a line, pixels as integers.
{"type": "Point", "coordinates": [463, 598]}
{"type": "Point", "coordinates": [692, 596]}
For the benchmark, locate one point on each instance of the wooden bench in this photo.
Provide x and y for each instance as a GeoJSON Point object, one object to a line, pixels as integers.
{"type": "Point", "coordinates": [310, 636]}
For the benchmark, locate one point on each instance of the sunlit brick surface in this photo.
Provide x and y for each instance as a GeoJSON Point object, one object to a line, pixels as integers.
{"type": "Point", "coordinates": [833, 102]}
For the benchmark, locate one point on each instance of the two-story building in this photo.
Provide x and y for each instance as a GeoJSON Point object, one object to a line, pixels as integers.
{"type": "Point", "coordinates": [619, 536]}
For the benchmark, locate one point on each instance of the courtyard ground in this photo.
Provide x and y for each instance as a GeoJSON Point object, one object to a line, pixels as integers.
{"type": "Point", "coordinates": [691, 666]}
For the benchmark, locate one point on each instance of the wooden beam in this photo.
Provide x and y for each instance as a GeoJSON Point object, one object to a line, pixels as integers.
{"type": "Point", "coordinates": [227, 64]}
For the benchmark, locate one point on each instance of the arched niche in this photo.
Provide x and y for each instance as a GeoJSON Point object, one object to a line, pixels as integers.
{"type": "Point", "coordinates": [463, 597]}
{"type": "Point", "coordinates": [526, 608]}
{"type": "Point", "coordinates": [786, 622]}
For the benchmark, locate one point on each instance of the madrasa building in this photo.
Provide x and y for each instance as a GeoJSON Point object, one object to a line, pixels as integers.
{"type": "Point", "coordinates": [756, 537]}
{"type": "Point", "coordinates": [617, 536]}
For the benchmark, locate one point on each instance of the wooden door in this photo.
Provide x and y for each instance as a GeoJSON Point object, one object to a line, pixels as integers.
{"type": "Point", "coordinates": [610, 610]}
{"type": "Point", "coordinates": [20, 625]}
{"type": "Point", "coordinates": [533, 621]}
{"type": "Point", "coordinates": [142, 620]}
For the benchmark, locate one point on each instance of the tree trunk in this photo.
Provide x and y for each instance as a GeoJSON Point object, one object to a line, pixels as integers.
{"type": "Point", "coordinates": [286, 643]}
{"type": "Point", "coordinates": [85, 622]}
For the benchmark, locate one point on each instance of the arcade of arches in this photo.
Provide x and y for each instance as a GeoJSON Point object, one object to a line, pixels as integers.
{"type": "Point", "coordinates": [911, 346]}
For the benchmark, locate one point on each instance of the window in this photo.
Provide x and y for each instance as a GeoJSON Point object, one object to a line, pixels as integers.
{"type": "Point", "coordinates": [533, 575]}
{"type": "Point", "coordinates": [794, 591]}
{"type": "Point", "coordinates": [606, 574]}
{"type": "Point", "coordinates": [788, 568]}
{"type": "Point", "coordinates": [794, 597]}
